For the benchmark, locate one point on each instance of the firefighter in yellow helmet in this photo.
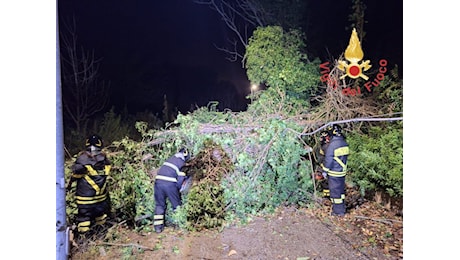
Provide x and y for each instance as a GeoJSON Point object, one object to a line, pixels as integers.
{"type": "Point", "coordinates": [335, 167]}
{"type": "Point", "coordinates": [90, 171]}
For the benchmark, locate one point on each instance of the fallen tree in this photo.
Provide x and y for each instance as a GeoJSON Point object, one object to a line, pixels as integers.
{"type": "Point", "coordinates": [268, 150]}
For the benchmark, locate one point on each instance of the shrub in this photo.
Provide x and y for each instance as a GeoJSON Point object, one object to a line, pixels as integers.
{"type": "Point", "coordinates": [376, 159]}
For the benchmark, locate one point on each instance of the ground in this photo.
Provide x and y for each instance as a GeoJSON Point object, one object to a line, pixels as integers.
{"type": "Point", "coordinates": [369, 231]}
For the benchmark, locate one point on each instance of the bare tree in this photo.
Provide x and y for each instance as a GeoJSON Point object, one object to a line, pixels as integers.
{"type": "Point", "coordinates": [84, 94]}
{"type": "Point", "coordinates": [241, 17]}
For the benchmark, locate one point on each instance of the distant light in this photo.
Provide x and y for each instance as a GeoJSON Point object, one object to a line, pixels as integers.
{"type": "Point", "coordinates": [254, 87]}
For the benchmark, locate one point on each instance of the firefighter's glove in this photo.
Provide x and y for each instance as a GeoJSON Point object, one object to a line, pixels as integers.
{"type": "Point", "coordinates": [325, 175]}
{"type": "Point", "coordinates": [318, 176]}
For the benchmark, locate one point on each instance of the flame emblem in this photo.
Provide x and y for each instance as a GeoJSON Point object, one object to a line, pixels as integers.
{"type": "Point", "coordinates": [354, 54]}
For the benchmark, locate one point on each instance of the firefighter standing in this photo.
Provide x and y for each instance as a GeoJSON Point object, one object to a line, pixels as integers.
{"type": "Point", "coordinates": [335, 166]}
{"type": "Point", "coordinates": [90, 170]}
{"type": "Point", "coordinates": [168, 182]}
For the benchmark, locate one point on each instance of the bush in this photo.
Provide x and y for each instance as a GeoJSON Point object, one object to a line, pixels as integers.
{"type": "Point", "coordinates": [276, 58]}
{"type": "Point", "coordinates": [376, 159]}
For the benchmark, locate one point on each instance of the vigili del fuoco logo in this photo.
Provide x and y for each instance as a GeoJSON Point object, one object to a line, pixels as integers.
{"type": "Point", "coordinates": [354, 67]}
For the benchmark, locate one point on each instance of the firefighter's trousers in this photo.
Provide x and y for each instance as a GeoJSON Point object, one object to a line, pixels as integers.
{"type": "Point", "coordinates": [337, 194]}
{"type": "Point", "coordinates": [90, 214]}
{"type": "Point", "coordinates": [164, 190]}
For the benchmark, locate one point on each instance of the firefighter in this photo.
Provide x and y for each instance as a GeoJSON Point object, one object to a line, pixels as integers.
{"type": "Point", "coordinates": [335, 166]}
{"type": "Point", "coordinates": [90, 171]}
{"type": "Point", "coordinates": [168, 182]}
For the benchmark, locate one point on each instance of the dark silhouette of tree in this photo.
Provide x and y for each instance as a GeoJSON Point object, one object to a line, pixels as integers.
{"type": "Point", "coordinates": [84, 94]}
{"type": "Point", "coordinates": [357, 18]}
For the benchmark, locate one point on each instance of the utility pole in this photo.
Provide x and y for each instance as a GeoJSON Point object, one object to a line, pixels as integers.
{"type": "Point", "coordinates": [62, 242]}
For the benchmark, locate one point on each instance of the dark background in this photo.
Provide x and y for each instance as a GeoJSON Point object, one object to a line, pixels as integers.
{"type": "Point", "coordinates": [154, 49]}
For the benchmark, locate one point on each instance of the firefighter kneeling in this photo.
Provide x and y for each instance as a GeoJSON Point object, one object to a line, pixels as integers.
{"type": "Point", "coordinates": [335, 166]}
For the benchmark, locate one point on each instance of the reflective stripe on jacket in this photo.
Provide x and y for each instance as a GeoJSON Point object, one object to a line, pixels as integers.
{"type": "Point", "coordinates": [171, 170]}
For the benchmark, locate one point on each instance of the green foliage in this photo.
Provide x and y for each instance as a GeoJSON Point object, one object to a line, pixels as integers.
{"type": "Point", "coordinates": [131, 188]}
{"type": "Point", "coordinates": [282, 182]}
{"type": "Point", "coordinates": [204, 206]}
{"type": "Point", "coordinates": [179, 216]}
{"type": "Point", "coordinates": [276, 174]}
{"type": "Point", "coordinates": [269, 168]}
{"type": "Point", "coordinates": [376, 161]}
{"type": "Point", "coordinates": [273, 101]}
{"type": "Point", "coordinates": [275, 58]}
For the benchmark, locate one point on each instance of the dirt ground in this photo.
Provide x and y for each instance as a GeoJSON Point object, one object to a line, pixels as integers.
{"type": "Point", "coordinates": [369, 231]}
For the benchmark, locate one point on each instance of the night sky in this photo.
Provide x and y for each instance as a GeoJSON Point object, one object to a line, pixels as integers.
{"type": "Point", "coordinates": [150, 49]}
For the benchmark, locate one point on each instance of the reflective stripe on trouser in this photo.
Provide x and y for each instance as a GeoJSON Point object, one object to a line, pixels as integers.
{"type": "Point", "coordinates": [337, 194]}
{"type": "Point", "coordinates": [158, 220]}
{"type": "Point", "coordinates": [101, 219]}
{"type": "Point", "coordinates": [165, 190]}
{"type": "Point", "coordinates": [83, 226]}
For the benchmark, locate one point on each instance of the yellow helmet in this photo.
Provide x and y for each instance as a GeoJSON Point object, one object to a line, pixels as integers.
{"type": "Point", "coordinates": [94, 144]}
